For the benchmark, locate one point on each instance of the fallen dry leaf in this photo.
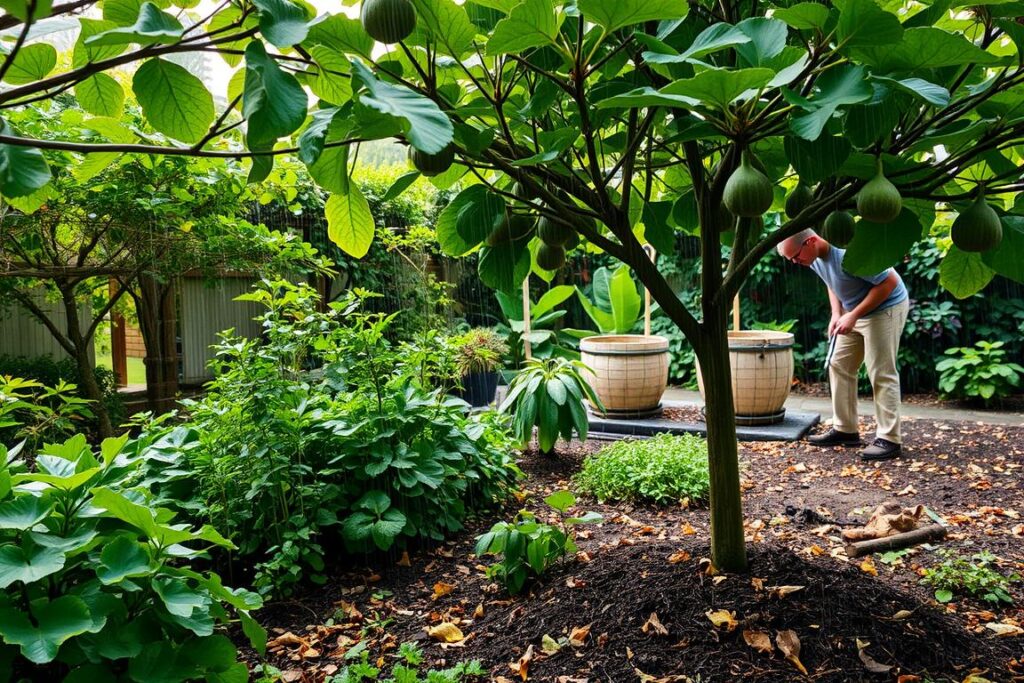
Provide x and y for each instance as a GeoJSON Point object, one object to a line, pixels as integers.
{"type": "Point", "coordinates": [723, 619]}
{"type": "Point", "coordinates": [688, 530]}
{"type": "Point", "coordinates": [404, 561]}
{"type": "Point", "coordinates": [446, 633]}
{"type": "Point", "coordinates": [679, 556]}
{"type": "Point", "coordinates": [288, 639]}
{"type": "Point", "coordinates": [869, 662]}
{"type": "Point", "coordinates": [522, 667]}
{"type": "Point", "coordinates": [654, 625]}
{"type": "Point", "coordinates": [908, 678]}
{"type": "Point", "coordinates": [479, 611]}
{"type": "Point", "coordinates": [783, 591]}
{"type": "Point", "coordinates": [707, 566]}
{"type": "Point", "coordinates": [441, 589]}
{"type": "Point", "coordinates": [1005, 630]}
{"type": "Point", "coordinates": [815, 550]}
{"type": "Point", "coordinates": [789, 645]}
{"type": "Point", "coordinates": [868, 566]}
{"type": "Point", "coordinates": [902, 614]}
{"type": "Point", "coordinates": [759, 640]}
{"type": "Point", "coordinates": [578, 636]}
{"type": "Point", "coordinates": [908, 491]}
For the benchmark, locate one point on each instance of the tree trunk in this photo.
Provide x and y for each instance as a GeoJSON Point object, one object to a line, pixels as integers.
{"type": "Point", "coordinates": [86, 372]}
{"type": "Point", "coordinates": [728, 550]}
{"type": "Point", "coordinates": [158, 324]}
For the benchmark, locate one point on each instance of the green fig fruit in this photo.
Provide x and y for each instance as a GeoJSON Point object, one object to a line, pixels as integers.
{"type": "Point", "coordinates": [838, 228]}
{"type": "Point", "coordinates": [388, 21]}
{"type": "Point", "coordinates": [977, 228]}
{"type": "Point", "coordinates": [748, 192]}
{"type": "Point", "coordinates": [432, 164]}
{"type": "Point", "coordinates": [512, 227]}
{"type": "Point", "coordinates": [798, 200]}
{"type": "Point", "coordinates": [574, 241]}
{"type": "Point", "coordinates": [550, 257]}
{"type": "Point", "coordinates": [879, 201]}
{"type": "Point", "coordinates": [555, 233]}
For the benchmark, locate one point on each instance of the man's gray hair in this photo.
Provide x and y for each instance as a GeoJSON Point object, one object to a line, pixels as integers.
{"type": "Point", "coordinates": [796, 240]}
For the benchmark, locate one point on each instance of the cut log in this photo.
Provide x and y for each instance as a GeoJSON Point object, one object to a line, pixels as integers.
{"type": "Point", "coordinates": [932, 532]}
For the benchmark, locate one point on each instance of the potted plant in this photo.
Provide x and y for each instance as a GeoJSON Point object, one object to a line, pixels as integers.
{"type": "Point", "coordinates": [549, 394]}
{"type": "Point", "coordinates": [629, 372]}
{"type": "Point", "coordinates": [478, 356]}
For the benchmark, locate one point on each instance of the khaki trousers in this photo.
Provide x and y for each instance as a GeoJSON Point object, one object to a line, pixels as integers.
{"type": "Point", "coordinates": [874, 340]}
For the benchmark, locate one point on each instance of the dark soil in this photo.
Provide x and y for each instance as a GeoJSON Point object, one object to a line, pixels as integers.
{"type": "Point", "coordinates": [796, 499]}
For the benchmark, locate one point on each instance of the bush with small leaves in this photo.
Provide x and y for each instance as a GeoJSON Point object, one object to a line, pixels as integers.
{"type": "Point", "coordinates": [975, 577]}
{"type": "Point", "coordinates": [981, 371]}
{"type": "Point", "coordinates": [664, 469]}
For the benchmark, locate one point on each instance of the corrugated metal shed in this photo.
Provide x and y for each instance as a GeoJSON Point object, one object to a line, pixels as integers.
{"type": "Point", "coordinates": [21, 333]}
{"type": "Point", "coordinates": [207, 310]}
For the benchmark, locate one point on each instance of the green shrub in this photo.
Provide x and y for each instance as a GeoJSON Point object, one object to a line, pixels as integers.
{"type": "Point", "coordinates": [663, 469]}
{"type": "Point", "coordinates": [978, 372]}
{"type": "Point", "coordinates": [549, 394]}
{"type": "Point", "coordinates": [64, 373]}
{"type": "Point", "coordinates": [289, 462]}
{"type": "Point", "coordinates": [974, 576]}
{"type": "Point", "coordinates": [95, 577]}
{"type": "Point", "coordinates": [528, 547]}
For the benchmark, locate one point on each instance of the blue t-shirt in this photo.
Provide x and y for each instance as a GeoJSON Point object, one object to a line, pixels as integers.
{"type": "Point", "coordinates": [851, 289]}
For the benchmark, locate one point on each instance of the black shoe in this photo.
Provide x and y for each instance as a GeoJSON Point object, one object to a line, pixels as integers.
{"type": "Point", "coordinates": [880, 449]}
{"type": "Point", "coordinates": [834, 437]}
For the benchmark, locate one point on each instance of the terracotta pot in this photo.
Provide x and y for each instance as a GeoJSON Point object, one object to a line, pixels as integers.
{"type": "Point", "coordinates": [629, 372]}
{"type": "Point", "coordinates": [762, 373]}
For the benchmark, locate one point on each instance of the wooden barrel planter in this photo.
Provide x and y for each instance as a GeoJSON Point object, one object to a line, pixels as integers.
{"type": "Point", "coordinates": [762, 374]}
{"type": "Point", "coordinates": [629, 372]}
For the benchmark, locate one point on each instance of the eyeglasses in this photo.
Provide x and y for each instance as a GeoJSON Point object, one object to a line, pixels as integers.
{"type": "Point", "coordinates": [795, 258]}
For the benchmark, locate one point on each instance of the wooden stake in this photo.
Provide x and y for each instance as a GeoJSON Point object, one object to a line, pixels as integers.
{"type": "Point", "coordinates": [932, 532]}
{"type": "Point", "coordinates": [526, 318]}
{"type": "Point", "coordinates": [736, 313]}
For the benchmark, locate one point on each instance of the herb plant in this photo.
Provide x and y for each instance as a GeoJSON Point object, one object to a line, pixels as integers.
{"type": "Point", "coordinates": [549, 394]}
{"type": "Point", "coordinates": [981, 371]}
{"type": "Point", "coordinates": [527, 546]}
{"type": "Point", "coordinates": [478, 350]}
{"type": "Point", "coordinates": [975, 577]}
{"type": "Point", "coordinates": [664, 469]}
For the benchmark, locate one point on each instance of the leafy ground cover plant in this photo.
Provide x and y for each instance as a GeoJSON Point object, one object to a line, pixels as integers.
{"type": "Point", "coordinates": [527, 546]}
{"type": "Point", "coordinates": [663, 469]}
{"type": "Point", "coordinates": [409, 669]}
{"type": "Point", "coordinates": [96, 578]}
{"type": "Point", "coordinates": [975, 576]}
{"type": "Point", "coordinates": [981, 371]}
{"type": "Point", "coordinates": [361, 452]}
{"type": "Point", "coordinates": [549, 394]}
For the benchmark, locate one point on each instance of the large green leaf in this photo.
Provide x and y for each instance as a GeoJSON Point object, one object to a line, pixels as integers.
{"type": "Point", "coordinates": [840, 86]}
{"type": "Point", "coordinates": [175, 102]}
{"type": "Point", "coordinates": [55, 622]}
{"type": "Point", "coordinates": [803, 15]}
{"type": "Point", "coordinates": [625, 299]}
{"type": "Point", "coordinates": [20, 9]}
{"type": "Point", "coordinates": [767, 39]}
{"type": "Point", "coordinates": [122, 12]}
{"type": "Point", "coordinates": [179, 599]}
{"type": "Point", "coordinates": [32, 63]}
{"type": "Point", "coordinates": [484, 211]}
{"type": "Point", "coordinates": [23, 512]}
{"type": "Point", "coordinates": [504, 266]}
{"type": "Point", "coordinates": [447, 22]}
{"type": "Point", "coordinates": [139, 516]}
{"type": "Point", "coordinates": [349, 222]}
{"type": "Point", "coordinates": [273, 101]}
{"type": "Point", "coordinates": [1006, 259]}
{"type": "Point", "coordinates": [920, 88]}
{"type": "Point", "coordinates": [331, 82]}
{"type": "Point", "coordinates": [964, 274]}
{"type": "Point", "coordinates": [153, 27]}
{"type": "Point", "coordinates": [85, 53]}
{"type": "Point", "coordinates": [282, 23]}
{"type": "Point", "coordinates": [28, 565]}
{"type": "Point", "coordinates": [531, 24]}
{"type": "Point", "coordinates": [341, 34]}
{"type": "Point", "coordinates": [646, 97]}
{"type": "Point", "coordinates": [426, 126]}
{"type": "Point", "coordinates": [446, 228]}
{"type": "Point", "coordinates": [815, 161]}
{"type": "Point", "coordinates": [720, 87]}
{"type": "Point", "coordinates": [712, 39]}
{"type": "Point", "coordinates": [614, 14]}
{"type": "Point", "coordinates": [862, 22]}
{"type": "Point", "coordinates": [926, 47]}
{"type": "Point", "coordinates": [121, 558]}
{"type": "Point", "coordinates": [23, 170]}
{"type": "Point", "coordinates": [876, 246]}
{"type": "Point", "coordinates": [101, 95]}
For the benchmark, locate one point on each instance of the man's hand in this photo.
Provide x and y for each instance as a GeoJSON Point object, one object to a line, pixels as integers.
{"type": "Point", "coordinates": [832, 324]}
{"type": "Point", "coordinates": [845, 323]}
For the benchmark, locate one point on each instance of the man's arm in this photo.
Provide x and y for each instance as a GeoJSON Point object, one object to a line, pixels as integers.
{"type": "Point", "coordinates": [837, 312]}
{"type": "Point", "coordinates": [875, 296]}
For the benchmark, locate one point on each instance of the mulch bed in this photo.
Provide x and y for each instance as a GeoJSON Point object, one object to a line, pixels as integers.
{"type": "Point", "coordinates": [796, 499]}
